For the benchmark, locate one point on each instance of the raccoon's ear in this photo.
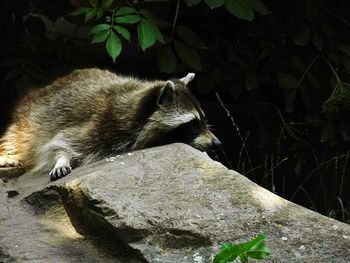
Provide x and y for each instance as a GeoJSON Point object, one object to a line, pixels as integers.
{"type": "Point", "coordinates": [188, 78]}
{"type": "Point", "coordinates": [166, 93]}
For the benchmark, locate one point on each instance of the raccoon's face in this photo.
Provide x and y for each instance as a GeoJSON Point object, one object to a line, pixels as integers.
{"type": "Point", "coordinates": [179, 117]}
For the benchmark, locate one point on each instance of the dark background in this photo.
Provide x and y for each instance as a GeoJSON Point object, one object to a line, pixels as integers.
{"type": "Point", "coordinates": [282, 77]}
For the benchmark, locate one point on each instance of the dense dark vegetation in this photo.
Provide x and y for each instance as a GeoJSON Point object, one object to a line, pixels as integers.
{"type": "Point", "coordinates": [273, 75]}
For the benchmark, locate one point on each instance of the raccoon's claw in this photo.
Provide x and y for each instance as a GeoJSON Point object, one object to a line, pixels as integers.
{"type": "Point", "coordinates": [59, 172]}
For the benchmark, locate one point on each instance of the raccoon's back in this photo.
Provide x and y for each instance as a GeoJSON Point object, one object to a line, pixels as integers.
{"type": "Point", "coordinates": [69, 101]}
{"type": "Point", "coordinates": [74, 98]}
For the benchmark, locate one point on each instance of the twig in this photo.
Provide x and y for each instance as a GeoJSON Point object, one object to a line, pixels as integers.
{"type": "Point", "coordinates": [238, 132]}
{"type": "Point", "coordinates": [175, 18]}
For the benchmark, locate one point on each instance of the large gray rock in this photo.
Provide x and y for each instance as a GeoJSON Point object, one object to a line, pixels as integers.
{"type": "Point", "coordinates": [166, 204]}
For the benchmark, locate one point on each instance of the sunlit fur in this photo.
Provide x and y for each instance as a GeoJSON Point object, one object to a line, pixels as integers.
{"type": "Point", "coordinates": [92, 113]}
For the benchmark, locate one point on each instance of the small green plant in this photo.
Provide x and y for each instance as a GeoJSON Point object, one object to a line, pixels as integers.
{"type": "Point", "coordinates": [121, 16]}
{"type": "Point", "coordinates": [255, 249]}
{"type": "Point", "coordinates": [115, 26]}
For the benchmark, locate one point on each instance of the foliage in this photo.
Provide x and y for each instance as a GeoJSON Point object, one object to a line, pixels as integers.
{"type": "Point", "coordinates": [119, 14]}
{"type": "Point", "coordinates": [255, 249]}
{"type": "Point", "coordinates": [282, 69]}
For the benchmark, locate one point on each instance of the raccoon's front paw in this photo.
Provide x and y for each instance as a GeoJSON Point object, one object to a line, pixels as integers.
{"type": "Point", "coordinates": [6, 161]}
{"type": "Point", "coordinates": [59, 172]}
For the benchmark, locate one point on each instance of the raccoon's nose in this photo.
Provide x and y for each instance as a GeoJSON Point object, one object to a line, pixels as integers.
{"type": "Point", "coordinates": [217, 143]}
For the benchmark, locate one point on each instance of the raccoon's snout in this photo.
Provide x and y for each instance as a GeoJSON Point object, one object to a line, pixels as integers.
{"type": "Point", "coordinates": [206, 141]}
{"type": "Point", "coordinates": [217, 143]}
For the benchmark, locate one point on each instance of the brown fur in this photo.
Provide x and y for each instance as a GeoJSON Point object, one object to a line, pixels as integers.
{"type": "Point", "coordinates": [93, 113]}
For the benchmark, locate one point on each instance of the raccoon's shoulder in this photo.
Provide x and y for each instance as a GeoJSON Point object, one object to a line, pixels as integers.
{"type": "Point", "coordinates": [95, 79]}
{"type": "Point", "coordinates": [91, 82]}
{"type": "Point", "coordinates": [88, 78]}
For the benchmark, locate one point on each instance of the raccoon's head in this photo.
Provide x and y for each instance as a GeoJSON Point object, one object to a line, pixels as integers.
{"type": "Point", "coordinates": [178, 117]}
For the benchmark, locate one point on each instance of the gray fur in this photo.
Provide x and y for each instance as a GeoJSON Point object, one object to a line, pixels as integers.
{"type": "Point", "coordinates": [91, 114]}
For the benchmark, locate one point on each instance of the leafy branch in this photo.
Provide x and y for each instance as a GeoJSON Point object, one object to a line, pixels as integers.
{"type": "Point", "coordinates": [340, 95]}
{"type": "Point", "coordinates": [255, 249]}
{"type": "Point", "coordinates": [182, 44]}
{"type": "Point", "coordinates": [120, 17]}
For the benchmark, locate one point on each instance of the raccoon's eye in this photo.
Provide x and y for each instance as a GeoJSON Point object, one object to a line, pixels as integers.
{"type": "Point", "coordinates": [192, 128]}
{"type": "Point", "coordinates": [194, 122]}
{"type": "Point", "coordinates": [199, 123]}
{"type": "Point", "coordinates": [184, 133]}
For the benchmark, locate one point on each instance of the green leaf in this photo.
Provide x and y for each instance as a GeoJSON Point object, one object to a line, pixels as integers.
{"type": "Point", "coordinates": [147, 14]}
{"type": "Point", "coordinates": [227, 254]}
{"type": "Point", "coordinates": [99, 14]}
{"type": "Point", "coordinates": [258, 6]}
{"type": "Point", "coordinates": [192, 2]}
{"type": "Point", "coordinates": [154, 29]}
{"type": "Point", "coordinates": [255, 249]}
{"type": "Point", "coordinates": [106, 3]}
{"type": "Point", "coordinates": [303, 37]}
{"type": "Point", "coordinates": [80, 10]}
{"type": "Point", "coordinates": [99, 27]}
{"type": "Point", "coordinates": [123, 31]}
{"type": "Point", "coordinates": [101, 36]}
{"type": "Point", "coordinates": [162, 23]}
{"type": "Point", "coordinates": [190, 37]}
{"type": "Point", "coordinates": [128, 19]}
{"type": "Point", "coordinates": [244, 258]}
{"type": "Point", "coordinates": [145, 35]}
{"type": "Point", "coordinates": [113, 46]}
{"type": "Point", "coordinates": [248, 245]}
{"type": "Point", "coordinates": [93, 3]}
{"type": "Point", "coordinates": [258, 251]}
{"type": "Point", "coordinates": [188, 55]}
{"type": "Point", "coordinates": [126, 10]}
{"type": "Point", "coordinates": [166, 60]}
{"type": "Point", "coordinates": [226, 246]}
{"type": "Point", "coordinates": [214, 3]}
{"type": "Point", "coordinates": [287, 81]}
{"type": "Point", "coordinates": [266, 52]}
{"type": "Point", "coordinates": [240, 9]}
{"type": "Point", "coordinates": [91, 14]}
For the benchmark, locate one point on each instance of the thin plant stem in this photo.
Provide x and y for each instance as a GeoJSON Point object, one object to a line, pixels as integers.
{"type": "Point", "coordinates": [308, 69]}
{"type": "Point", "coordinates": [175, 19]}
{"type": "Point", "coordinates": [238, 132]}
{"type": "Point", "coordinates": [342, 208]}
{"type": "Point", "coordinates": [307, 196]}
{"type": "Point", "coordinates": [343, 174]}
{"type": "Point", "coordinates": [335, 74]}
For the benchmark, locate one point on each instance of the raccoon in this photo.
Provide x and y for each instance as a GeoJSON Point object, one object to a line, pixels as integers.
{"type": "Point", "coordinates": [93, 113]}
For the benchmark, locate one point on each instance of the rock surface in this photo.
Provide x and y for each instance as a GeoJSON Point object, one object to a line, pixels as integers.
{"type": "Point", "coordinates": [167, 204]}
